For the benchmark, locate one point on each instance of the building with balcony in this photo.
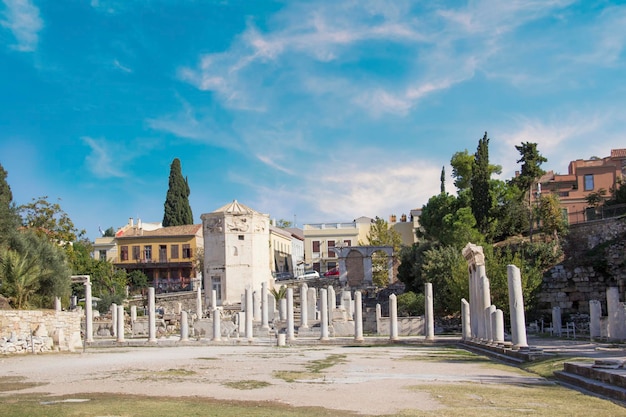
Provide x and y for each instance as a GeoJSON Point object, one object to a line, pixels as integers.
{"type": "Point", "coordinates": [280, 250]}
{"type": "Point", "coordinates": [166, 254]}
{"type": "Point", "coordinates": [297, 250]}
{"type": "Point", "coordinates": [583, 178]}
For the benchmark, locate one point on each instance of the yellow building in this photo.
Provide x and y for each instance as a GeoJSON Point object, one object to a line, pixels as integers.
{"type": "Point", "coordinates": [166, 255]}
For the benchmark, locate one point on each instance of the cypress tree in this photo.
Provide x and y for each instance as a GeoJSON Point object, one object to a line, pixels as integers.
{"type": "Point", "coordinates": [9, 219]}
{"type": "Point", "coordinates": [442, 179]}
{"type": "Point", "coordinates": [481, 173]}
{"type": "Point", "coordinates": [177, 209]}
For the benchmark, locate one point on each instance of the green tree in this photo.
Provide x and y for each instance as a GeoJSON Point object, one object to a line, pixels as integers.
{"type": "Point", "coordinates": [110, 232]}
{"type": "Point", "coordinates": [531, 170]}
{"type": "Point", "coordinates": [381, 234]}
{"type": "Point", "coordinates": [442, 180]}
{"type": "Point", "coordinates": [553, 222]}
{"type": "Point", "coordinates": [49, 221]}
{"type": "Point", "coordinates": [595, 198]}
{"type": "Point", "coordinates": [283, 224]}
{"type": "Point", "coordinates": [9, 218]}
{"type": "Point", "coordinates": [137, 280]}
{"type": "Point", "coordinates": [19, 276]}
{"type": "Point", "coordinates": [177, 209]}
{"type": "Point", "coordinates": [433, 213]}
{"type": "Point", "coordinates": [481, 174]}
{"type": "Point", "coordinates": [410, 304]}
{"type": "Point", "coordinates": [618, 193]}
{"type": "Point", "coordinates": [462, 169]}
{"type": "Point", "coordinates": [446, 269]}
{"type": "Point", "coordinates": [410, 270]}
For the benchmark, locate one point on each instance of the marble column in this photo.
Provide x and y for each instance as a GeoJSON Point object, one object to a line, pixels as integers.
{"type": "Point", "coordinates": [290, 319]}
{"type": "Point", "coordinates": [429, 322]}
{"type": "Point", "coordinates": [304, 312]}
{"type": "Point", "coordinates": [466, 325]}
{"type": "Point", "coordinates": [217, 323]}
{"type": "Point", "coordinates": [213, 299]}
{"type": "Point", "coordinates": [151, 316]}
{"type": "Point", "coordinates": [256, 306]}
{"type": "Point", "coordinates": [57, 304]}
{"type": "Point", "coordinates": [73, 302]}
{"type": "Point", "coordinates": [133, 313]}
{"type": "Point", "coordinates": [282, 309]}
{"type": "Point", "coordinates": [595, 314]}
{"type": "Point", "coordinates": [346, 303]}
{"type": "Point", "coordinates": [199, 311]}
{"type": "Point", "coordinates": [498, 336]}
{"type": "Point", "coordinates": [557, 324]}
{"type": "Point", "coordinates": [271, 307]}
{"type": "Point", "coordinates": [88, 313]}
{"type": "Point", "coordinates": [485, 301]}
{"type": "Point", "coordinates": [489, 323]}
{"type": "Point", "coordinates": [612, 303]}
{"type": "Point", "coordinates": [393, 317]}
{"type": "Point", "coordinates": [120, 323]}
{"type": "Point", "coordinates": [184, 326]}
{"type": "Point", "coordinates": [358, 317]}
{"type": "Point", "coordinates": [113, 310]}
{"type": "Point", "coordinates": [323, 314]}
{"type": "Point", "coordinates": [332, 299]}
{"type": "Point", "coordinates": [249, 314]}
{"type": "Point", "coordinates": [311, 303]}
{"type": "Point", "coordinates": [264, 307]}
{"type": "Point", "coordinates": [516, 306]}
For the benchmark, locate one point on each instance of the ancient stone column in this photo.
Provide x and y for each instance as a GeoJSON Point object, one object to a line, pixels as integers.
{"type": "Point", "coordinates": [358, 317]}
{"type": "Point", "coordinates": [489, 323]}
{"type": "Point", "coordinates": [213, 299]}
{"type": "Point", "coordinates": [393, 317]}
{"type": "Point", "coordinates": [249, 314]}
{"type": "Point", "coordinates": [466, 325]}
{"type": "Point", "coordinates": [346, 303]}
{"type": "Point", "coordinates": [378, 317]}
{"type": "Point", "coordinates": [498, 336]}
{"type": "Point", "coordinates": [217, 322]}
{"type": "Point", "coordinates": [151, 316]}
{"type": "Point", "coordinates": [323, 314]}
{"type": "Point", "coordinates": [311, 303]}
{"type": "Point", "coordinates": [73, 302]}
{"type": "Point", "coordinates": [88, 313]}
{"type": "Point", "coordinates": [256, 306]}
{"type": "Point", "coordinates": [485, 302]}
{"type": "Point", "coordinates": [113, 310]}
{"type": "Point", "coordinates": [120, 323]}
{"type": "Point", "coordinates": [264, 307]}
{"type": "Point", "coordinates": [184, 326]}
{"type": "Point", "coordinates": [595, 314]}
{"type": "Point", "coordinates": [57, 304]}
{"type": "Point", "coordinates": [271, 306]}
{"type": "Point", "coordinates": [199, 311]}
{"type": "Point", "coordinates": [133, 313]}
{"type": "Point", "coordinates": [332, 299]}
{"type": "Point", "coordinates": [290, 319]}
{"type": "Point", "coordinates": [429, 322]}
{"type": "Point", "coordinates": [516, 306]}
{"type": "Point", "coordinates": [557, 324]}
{"type": "Point", "coordinates": [612, 302]}
{"type": "Point", "coordinates": [282, 309]}
{"type": "Point", "coordinates": [304, 312]}
{"type": "Point", "coordinates": [480, 294]}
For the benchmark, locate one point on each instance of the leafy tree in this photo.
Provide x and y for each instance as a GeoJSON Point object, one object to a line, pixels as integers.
{"type": "Point", "coordinates": [410, 270]}
{"type": "Point", "coordinates": [410, 304]}
{"type": "Point", "coordinates": [442, 180]}
{"type": "Point", "coordinates": [446, 268]}
{"type": "Point", "coordinates": [595, 198]}
{"type": "Point", "coordinates": [509, 214]}
{"type": "Point", "coordinates": [177, 209]}
{"type": "Point", "coordinates": [531, 166]}
{"type": "Point", "coordinates": [9, 218]}
{"type": "Point", "coordinates": [552, 218]}
{"type": "Point", "coordinates": [459, 228]}
{"type": "Point", "coordinates": [381, 234]}
{"type": "Point", "coordinates": [433, 213]}
{"type": "Point", "coordinates": [137, 280]}
{"type": "Point", "coordinates": [619, 193]}
{"type": "Point", "coordinates": [462, 169]}
{"type": "Point", "coordinates": [19, 275]}
{"type": "Point", "coordinates": [50, 221]}
{"type": "Point", "coordinates": [283, 224]}
{"type": "Point", "coordinates": [110, 232]}
{"type": "Point", "coordinates": [481, 198]}
{"type": "Point", "coordinates": [280, 293]}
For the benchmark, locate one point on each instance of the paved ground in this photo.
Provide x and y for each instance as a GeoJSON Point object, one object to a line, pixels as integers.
{"type": "Point", "coordinates": [372, 378]}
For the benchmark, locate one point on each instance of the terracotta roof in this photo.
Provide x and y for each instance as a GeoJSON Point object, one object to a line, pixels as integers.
{"type": "Point", "coordinates": [187, 230]}
{"type": "Point", "coordinates": [618, 153]}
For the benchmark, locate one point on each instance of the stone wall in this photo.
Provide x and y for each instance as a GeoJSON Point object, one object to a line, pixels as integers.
{"type": "Point", "coordinates": [595, 259]}
{"type": "Point", "coordinates": [24, 331]}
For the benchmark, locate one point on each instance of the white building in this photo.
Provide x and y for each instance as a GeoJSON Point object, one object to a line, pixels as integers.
{"type": "Point", "coordinates": [235, 251]}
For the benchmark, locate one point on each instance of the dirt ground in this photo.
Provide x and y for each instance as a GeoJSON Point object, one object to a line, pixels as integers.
{"type": "Point", "coordinates": [367, 380]}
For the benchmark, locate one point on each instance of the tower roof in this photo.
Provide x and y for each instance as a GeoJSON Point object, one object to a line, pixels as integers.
{"type": "Point", "coordinates": [235, 208]}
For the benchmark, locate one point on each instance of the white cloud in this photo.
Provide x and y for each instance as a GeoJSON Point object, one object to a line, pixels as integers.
{"type": "Point", "coordinates": [121, 67]}
{"type": "Point", "coordinates": [103, 161]}
{"type": "Point", "coordinates": [22, 18]}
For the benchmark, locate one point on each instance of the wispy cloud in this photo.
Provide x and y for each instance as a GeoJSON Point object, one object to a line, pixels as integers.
{"type": "Point", "coordinates": [103, 161]}
{"type": "Point", "coordinates": [121, 67]}
{"type": "Point", "coordinates": [22, 18]}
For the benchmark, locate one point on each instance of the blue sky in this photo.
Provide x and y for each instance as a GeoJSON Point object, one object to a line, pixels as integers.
{"type": "Point", "coordinates": [322, 110]}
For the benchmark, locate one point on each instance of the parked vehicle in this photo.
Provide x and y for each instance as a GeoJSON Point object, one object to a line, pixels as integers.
{"type": "Point", "coordinates": [309, 275]}
{"type": "Point", "coordinates": [283, 276]}
{"type": "Point", "coordinates": [332, 272]}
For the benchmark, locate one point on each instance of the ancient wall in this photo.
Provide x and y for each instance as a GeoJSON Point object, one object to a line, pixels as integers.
{"type": "Point", "coordinates": [595, 259]}
{"type": "Point", "coordinates": [39, 331]}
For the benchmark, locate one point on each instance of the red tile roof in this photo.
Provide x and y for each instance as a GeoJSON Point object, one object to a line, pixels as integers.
{"type": "Point", "coordinates": [618, 153]}
{"type": "Point", "coordinates": [187, 230]}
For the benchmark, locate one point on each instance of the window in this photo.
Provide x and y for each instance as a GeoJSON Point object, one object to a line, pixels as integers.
{"type": "Point", "coordinates": [102, 254]}
{"type": "Point", "coordinates": [124, 253]}
{"type": "Point", "coordinates": [240, 237]}
{"type": "Point", "coordinates": [147, 252]}
{"type": "Point", "coordinates": [316, 266]}
{"type": "Point", "coordinates": [216, 284]}
{"type": "Point", "coordinates": [331, 253]}
{"type": "Point", "coordinates": [136, 253]}
{"type": "Point", "coordinates": [174, 251]}
{"type": "Point", "coordinates": [331, 265]}
{"type": "Point", "coordinates": [588, 182]}
{"type": "Point", "coordinates": [347, 242]}
{"type": "Point", "coordinates": [186, 251]}
{"type": "Point", "coordinates": [316, 246]}
{"type": "Point", "coordinates": [162, 253]}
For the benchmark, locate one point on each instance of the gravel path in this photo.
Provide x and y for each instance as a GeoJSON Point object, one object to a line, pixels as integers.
{"type": "Point", "coordinates": [368, 380]}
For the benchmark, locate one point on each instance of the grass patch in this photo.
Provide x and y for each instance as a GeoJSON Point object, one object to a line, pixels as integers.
{"type": "Point", "coordinates": [546, 367]}
{"type": "Point", "coordinates": [173, 372]}
{"type": "Point", "coordinates": [446, 354]}
{"type": "Point", "coordinates": [318, 365]}
{"type": "Point", "coordinates": [208, 359]}
{"type": "Point", "coordinates": [313, 369]}
{"type": "Point", "coordinates": [16, 383]}
{"type": "Point", "coordinates": [246, 384]}
{"type": "Point", "coordinates": [139, 406]}
{"type": "Point", "coordinates": [477, 400]}
{"type": "Point", "coordinates": [295, 376]}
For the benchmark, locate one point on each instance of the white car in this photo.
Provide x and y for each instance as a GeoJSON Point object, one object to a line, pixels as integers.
{"type": "Point", "coordinates": [309, 275]}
